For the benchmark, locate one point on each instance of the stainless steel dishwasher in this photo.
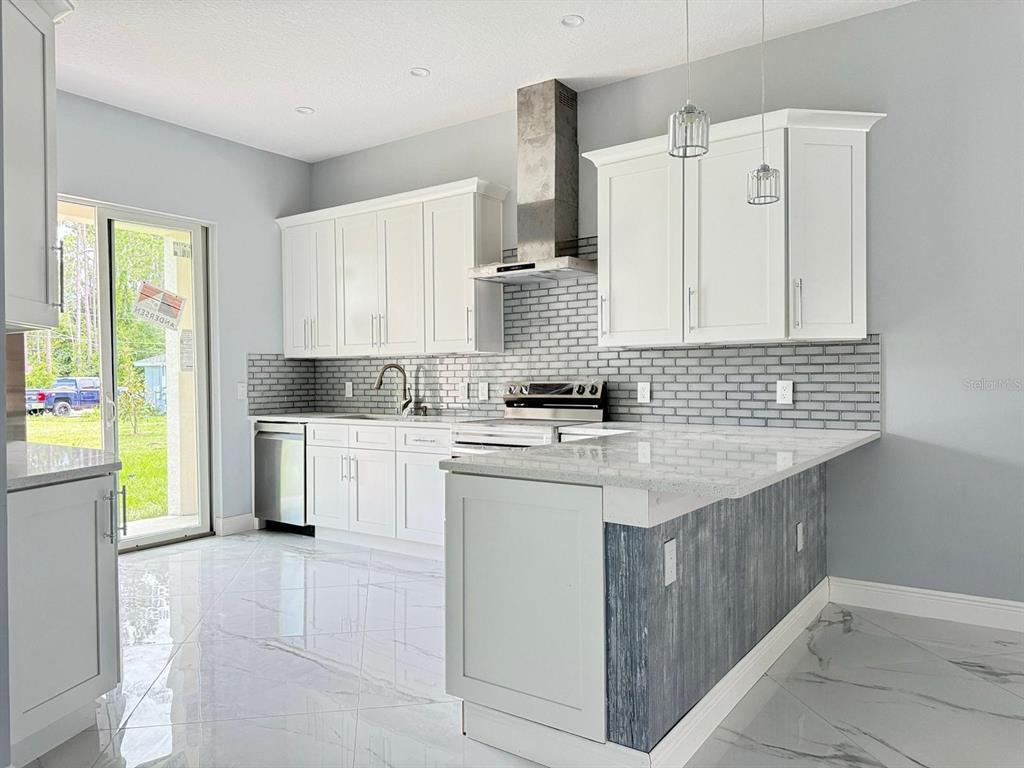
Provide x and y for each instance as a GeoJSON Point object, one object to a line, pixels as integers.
{"type": "Point", "coordinates": [280, 472]}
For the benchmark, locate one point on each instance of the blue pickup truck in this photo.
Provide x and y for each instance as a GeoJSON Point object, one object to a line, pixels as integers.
{"type": "Point", "coordinates": [67, 395]}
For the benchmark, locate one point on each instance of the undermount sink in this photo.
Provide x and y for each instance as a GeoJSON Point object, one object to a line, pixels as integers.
{"type": "Point", "coordinates": [381, 416]}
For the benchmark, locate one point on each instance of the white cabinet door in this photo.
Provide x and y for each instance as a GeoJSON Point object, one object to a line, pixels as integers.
{"type": "Point", "coordinates": [827, 232]}
{"type": "Point", "coordinates": [735, 253]}
{"type": "Point", "coordinates": [420, 497]}
{"type": "Point", "coordinates": [448, 241]}
{"type": "Point", "coordinates": [524, 629]}
{"type": "Point", "coordinates": [357, 286]}
{"type": "Point", "coordinates": [323, 331]}
{"type": "Point", "coordinates": [372, 492]}
{"type": "Point", "coordinates": [62, 571]}
{"type": "Point", "coordinates": [32, 263]}
{"type": "Point", "coordinates": [327, 486]}
{"type": "Point", "coordinates": [400, 265]}
{"type": "Point", "coordinates": [640, 251]}
{"type": "Point", "coordinates": [297, 276]}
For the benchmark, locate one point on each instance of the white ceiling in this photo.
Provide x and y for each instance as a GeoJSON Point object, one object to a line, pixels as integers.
{"type": "Point", "coordinates": [238, 68]}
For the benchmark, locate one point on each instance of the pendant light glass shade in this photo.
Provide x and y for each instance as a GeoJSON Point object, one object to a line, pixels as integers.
{"type": "Point", "coordinates": [763, 185]}
{"type": "Point", "coordinates": [688, 132]}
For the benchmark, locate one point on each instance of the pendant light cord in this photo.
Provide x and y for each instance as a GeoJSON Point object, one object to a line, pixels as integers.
{"type": "Point", "coordinates": [687, 14]}
{"type": "Point", "coordinates": [762, 83]}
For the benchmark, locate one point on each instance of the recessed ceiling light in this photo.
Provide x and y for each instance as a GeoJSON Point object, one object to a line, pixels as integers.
{"type": "Point", "coordinates": [572, 20]}
{"type": "Point", "coordinates": [305, 110]}
{"type": "Point", "coordinates": [419, 72]}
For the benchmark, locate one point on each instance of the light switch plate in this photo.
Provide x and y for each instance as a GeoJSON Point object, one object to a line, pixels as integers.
{"type": "Point", "coordinates": [783, 392]}
{"type": "Point", "coordinates": [348, 389]}
{"type": "Point", "coordinates": [643, 392]}
{"type": "Point", "coordinates": [670, 562]}
{"type": "Point", "coordinates": [799, 537]}
{"type": "Point", "coordinates": [481, 390]}
{"type": "Point", "coordinates": [240, 391]}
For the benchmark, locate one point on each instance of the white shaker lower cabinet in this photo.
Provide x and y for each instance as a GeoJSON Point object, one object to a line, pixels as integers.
{"type": "Point", "coordinates": [640, 250]}
{"type": "Point", "coordinates": [372, 492]}
{"type": "Point", "coordinates": [327, 486]}
{"type": "Point", "coordinates": [64, 646]}
{"type": "Point", "coordinates": [734, 252]}
{"type": "Point", "coordinates": [827, 236]}
{"type": "Point", "coordinates": [420, 497]}
{"type": "Point", "coordinates": [525, 631]}
{"type": "Point", "coordinates": [29, 163]}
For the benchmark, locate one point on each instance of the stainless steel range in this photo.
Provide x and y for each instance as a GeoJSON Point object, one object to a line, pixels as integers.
{"type": "Point", "coordinates": [534, 412]}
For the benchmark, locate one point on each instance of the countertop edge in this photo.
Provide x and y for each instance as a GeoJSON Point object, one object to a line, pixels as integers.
{"type": "Point", "coordinates": [62, 476]}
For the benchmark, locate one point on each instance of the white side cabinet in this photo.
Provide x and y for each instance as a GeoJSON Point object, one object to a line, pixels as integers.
{"type": "Point", "coordinates": [327, 487]}
{"type": "Point", "coordinates": [62, 572]}
{"type": "Point", "coordinates": [419, 495]}
{"type": "Point", "coordinates": [397, 282]}
{"type": "Point", "coordinates": [690, 262]}
{"type": "Point", "coordinates": [372, 492]}
{"type": "Point", "coordinates": [310, 305]}
{"type": "Point", "coordinates": [33, 257]}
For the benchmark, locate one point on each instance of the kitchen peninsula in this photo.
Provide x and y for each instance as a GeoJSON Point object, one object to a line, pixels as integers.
{"type": "Point", "coordinates": [626, 575]}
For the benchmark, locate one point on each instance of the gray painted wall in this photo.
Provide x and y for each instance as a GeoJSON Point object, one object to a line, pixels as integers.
{"type": "Point", "coordinates": [121, 157]}
{"type": "Point", "coordinates": [939, 503]}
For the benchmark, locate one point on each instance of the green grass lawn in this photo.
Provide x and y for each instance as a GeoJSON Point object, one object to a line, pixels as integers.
{"type": "Point", "coordinates": [144, 455]}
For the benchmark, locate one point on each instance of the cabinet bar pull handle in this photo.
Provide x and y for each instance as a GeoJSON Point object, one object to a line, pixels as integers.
{"type": "Point", "coordinates": [467, 325]}
{"type": "Point", "coordinates": [124, 510]}
{"type": "Point", "coordinates": [600, 315]}
{"type": "Point", "coordinates": [373, 337]}
{"type": "Point", "coordinates": [344, 468]}
{"type": "Point", "coordinates": [314, 333]}
{"type": "Point", "coordinates": [59, 248]}
{"type": "Point", "coordinates": [353, 468]}
{"type": "Point", "coordinates": [111, 499]}
{"type": "Point", "coordinates": [692, 295]}
{"type": "Point", "coordinates": [383, 330]}
{"type": "Point", "coordinates": [798, 289]}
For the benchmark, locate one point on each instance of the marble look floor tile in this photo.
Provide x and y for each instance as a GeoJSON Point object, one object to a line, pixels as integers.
{"type": "Point", "coordinates": [841, 637]}
{"type": "Point", "coordinates": [283, 613]}
{"type": "Point", "coordinates": [230, 679]}
{"type": "Point", "coordinates": [1006, 671]}
{"type": "Point", "coordinates": [408, 604]}
{"type": "Point", "coordinates": [770, 728]}
{"type": "Point", "coordinates": [324, 740]}
{"type": "Point", "coordinates": [386, 566]}
{"type": "Point", "coordinates": [918, 714]}
{"type": "Point", "coordinates": [156, 578]}
{"type": "Point", "coordinates": [303, 545]}
{"type": "Point", "coordinates": [205, 548]}
{"type": "Point", "coordinates": [160, 618]}
{"type": "Point", "coordinates": [286, 570]}
{"type": "Point", "coordinates": [949, 639]}
{"type": "Point", "coordinates": [422, 736]}
{"type": "Point", "coordinates": [141, 666]}
{"type": "Point", "coordinates": [80, 751]}
{"type": "Point", "coordinates": [403, 666]}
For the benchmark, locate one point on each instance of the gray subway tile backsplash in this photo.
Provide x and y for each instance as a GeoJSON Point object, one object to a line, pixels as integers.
{"type": "Point", "coordinates": [551, 334]}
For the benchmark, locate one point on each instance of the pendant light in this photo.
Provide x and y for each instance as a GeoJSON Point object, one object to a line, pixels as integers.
{"type": "Point", "coordinates": [764, 182]}
{"type": "Point", "coordinates": [688, 127]}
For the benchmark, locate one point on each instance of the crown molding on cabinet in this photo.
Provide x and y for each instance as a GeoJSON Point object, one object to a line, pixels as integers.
{"type": "Point", "coordinates": [475, 184]}
{"type": "Point", "coordinates": [821, 119]}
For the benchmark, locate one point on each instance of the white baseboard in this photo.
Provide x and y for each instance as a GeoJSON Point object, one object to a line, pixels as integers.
{"type": "Point", "coordinates": [680, 744]}
{"type": "Point", "coordinates": [928, 603]}
{"type": "Point", "coordinates": [558, 749]}
{"type": "Point", "coordinates": [227, 526]}
{"type": "Point", "coordinates": [400, 546]}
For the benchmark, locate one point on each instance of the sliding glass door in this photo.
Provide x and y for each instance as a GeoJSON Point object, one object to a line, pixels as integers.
{"type": "Point", "coordinates": [155, 382]}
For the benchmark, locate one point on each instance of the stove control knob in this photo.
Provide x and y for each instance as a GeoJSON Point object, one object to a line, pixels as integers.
{"type": "Point", "coordinates": [593, 389]}
{"type": "Point", "coordinates": [522, 389]}
{"type": "Point", "coordinates": [580, 389]}
{"type": "Point", "coordinates": [511, 389]}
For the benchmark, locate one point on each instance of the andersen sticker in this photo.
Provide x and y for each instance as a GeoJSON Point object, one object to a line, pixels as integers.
{"type": "Point", "coordinates": [159, 306]}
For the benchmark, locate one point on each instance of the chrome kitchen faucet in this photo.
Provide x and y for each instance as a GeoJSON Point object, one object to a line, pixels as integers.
{"type": "Point", "coordinates": [403, 397]}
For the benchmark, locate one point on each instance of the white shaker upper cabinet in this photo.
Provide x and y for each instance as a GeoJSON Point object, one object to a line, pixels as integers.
{"type": "Point", "coordinates": [640, 246]}
{"type": "Point", "coordinates": [33, 259]}
{"type": "Point", "coordinates": [734, 252]}
{"type": "Point", "coordinates": [827, 234]}
{"type": "Point", "coordinates": [309, 290]}
{"type": "Point", "coordinates": [355, 239]}
{"type": "Point", "coordinates": [462, 315]}
{"type": "Point", "coordinates": [400, 270]}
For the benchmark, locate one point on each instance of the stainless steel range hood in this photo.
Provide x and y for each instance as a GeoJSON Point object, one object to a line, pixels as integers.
{"type": "Point", "coordinates": [547, 190]}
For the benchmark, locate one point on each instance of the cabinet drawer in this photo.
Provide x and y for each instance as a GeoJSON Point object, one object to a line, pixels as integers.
{"type": "Point", "coordinates": [380, 438]}
{"type": "Point", "coordinates": [424, 440]}
{"type": "Point", "coordinates": [336, 435]}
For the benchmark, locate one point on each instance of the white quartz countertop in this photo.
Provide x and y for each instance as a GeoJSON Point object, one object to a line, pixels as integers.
{"type": "Point", "coordinates": [381, 419]}
{"type": "Point", "coordinates": [693, 460]}
{"type": "Point", "coordinates": [31, 465]}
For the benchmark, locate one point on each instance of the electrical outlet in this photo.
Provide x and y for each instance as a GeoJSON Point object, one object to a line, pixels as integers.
{"type": "Point", "coordinates": [643, 452]}
{"type": "Point", "coordinates": [799, 537]}
{"type": "Point", "coordinates": [643, 392]}
{"type": "Point", "coordinates": [783, 460]}
{"type": "Point", "coordinates": [481, 390]}
{"type": "Point", "coordinates": [240, 391]}
{"type": "Point", "coordinates": [784, 392]}
{"type": "Point", "coordinates": [348, 389]}
{"type": "Point", "coordinates": [464, 391]}
{"type": "Point", "coordinates": [670, 562]}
